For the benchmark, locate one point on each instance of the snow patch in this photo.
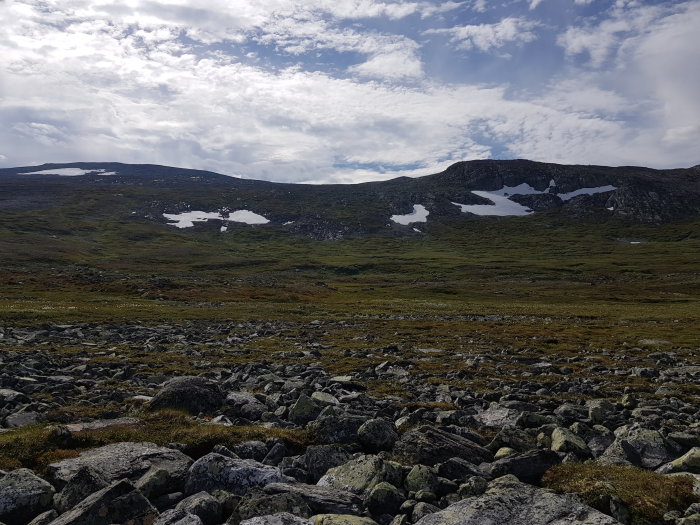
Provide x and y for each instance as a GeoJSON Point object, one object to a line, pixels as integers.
{"type": "Point", "coordinates": [503, 206]}
{"type": "Point", "coordinates": [419, 214]}
{"type": "Point", "coordinates": [69, 172]}
{"type": "Point", "coordinates": [417, 230]}
{"type": "Point", "coordinates": [188, 218]}
{"type": "Point", "coordinates": [585, 191]}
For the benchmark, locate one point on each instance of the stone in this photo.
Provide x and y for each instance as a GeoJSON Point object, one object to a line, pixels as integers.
{"type": "Point", "coordinates": [23, 419]}
{"type": "Point", "coordinates": [282, 518]}
{"type": "Point", "coordinates": [458, 469]}
{"type": "Point", "coordinates": [497, 416]}
{"type": "Point", "coordinates": [202, 505]}
{"type": "Point", "coordinates": [189, 393]}
{"type": "Point", "coordinates": [528, 467]}
{"type": "Point", "coordinates": [251, 450]}
{"type": "Point", "coordinates": [304, 410]}
{"type": "Point", "coordinates": [508, 501]}
{"type": "Point", "coordinates": [384, 498]}
{"type": "Point", "coordinates": [563, 440]}
{"type": "Point", "coordinates": [321, 500]}
{"type": "Point", "coordinates": [324, 398]}
{"type": "Point", "coordinates": [44, 518]}
{"type": "Point", "coordinates": [122, 460]}
{"type": "Point", "coordinates": [429, 445]}
{"type": "Point", "coordinates": [257, 503]}
{"type": "Point", "coordinates": [319, 458]}
{"type": "Point", "coordinates": [421, 477]}
{"type": "Point", "coordinates": [84, 482]}
{"type": "Point", "coordinates": [336, 429]}
{"type": "Point", "coordinates": [177, 517]}
{"type": "Point", "coordinates": [360, 475]}
{"type": "Point", "coordinates": [688, 462]}
{"type": "Point", "coordinates": [376, 435]}
{"type": "Point", "coordinates": [121, 502]}
{"type": "Point", "coordinates": [599, 411]}
{"type": "Point", "coordinates": [341, 519]}
{"type": "Point", "coordinates": [217, 472]}
{"type": "Point", "coordinates": [23, 496]}
{"type": "Point", "coordinates": [421, 510]}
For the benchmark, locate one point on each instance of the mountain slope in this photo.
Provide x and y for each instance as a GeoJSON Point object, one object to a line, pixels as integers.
{"type": "Point", "coordinates": [463, 192]}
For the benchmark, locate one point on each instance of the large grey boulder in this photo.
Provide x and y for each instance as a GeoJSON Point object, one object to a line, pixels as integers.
{"type": "Point", "coordinates": [190, 393]}
{"type": "Point", "coordinates": [217, 472]}
{"type": "Point", "coordinates": [202, 505]}
{"type": "Point", "coordinates": [528, 467]}
{"type": "Point", "coordinates": [336, 429]}
{"type": "Point", "coordinates": [376, 435]}
{"type": "Point", "coordinates": [121, 502]}
{"type": "Point", "coordinates": [507, 501]}
{"type": "Point", "coordinates": [84, 482]}
{"type": "Point", "coordinates": [281, 518]}
{"type": "Point", "coordinates": [177, 517]}
{"type": "Point", "coordinates": [321, 500]}
{"type": "Point", "coordinates": [304, 410]}
{"type": "Point", "coordinates": [360, 475]}
{"type": "Point", "coordinates": [563, 440]}
{"type": "Point", "coordinates": [319, 458]}
{"type": "Point", "coordinates": [429, 445]}
{"type": "Point", "coordinates": [640, 447]}
{"type": "Point", "coordinates": [122, 460]}
{"type": "Point", "coordinates": [23, 496]}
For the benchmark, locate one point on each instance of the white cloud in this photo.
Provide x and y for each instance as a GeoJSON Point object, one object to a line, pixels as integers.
{"type": "Point", "coordinates": [486, 37]}
{"type": "Point", "coordinates": [396, 65]}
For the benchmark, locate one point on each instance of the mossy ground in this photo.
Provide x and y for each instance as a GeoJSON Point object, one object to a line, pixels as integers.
{"type": "Point", "coordinates": [647, 495]}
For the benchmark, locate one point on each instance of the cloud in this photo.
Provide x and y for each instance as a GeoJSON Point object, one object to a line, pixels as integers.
{"type": "Point", "coordinates": [487, 37]}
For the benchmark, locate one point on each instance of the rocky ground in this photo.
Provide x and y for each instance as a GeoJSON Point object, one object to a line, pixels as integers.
{"type": "Point", "coordinates": [402, 436]}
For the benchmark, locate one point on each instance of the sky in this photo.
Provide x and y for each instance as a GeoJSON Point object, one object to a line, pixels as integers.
{"type": "Point", "coordinates": [341, 91]}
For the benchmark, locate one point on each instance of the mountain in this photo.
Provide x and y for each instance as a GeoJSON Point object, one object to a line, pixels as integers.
{"type": "Point", "coordinates": [466, 191]}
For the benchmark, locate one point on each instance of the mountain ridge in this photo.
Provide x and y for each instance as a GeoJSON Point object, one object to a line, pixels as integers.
{"type": "Point", "coordinates": [464, 191]}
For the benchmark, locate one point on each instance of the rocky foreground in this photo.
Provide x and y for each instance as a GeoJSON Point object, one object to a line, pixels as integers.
{"type": "Point", "coordinates": [452, 455]}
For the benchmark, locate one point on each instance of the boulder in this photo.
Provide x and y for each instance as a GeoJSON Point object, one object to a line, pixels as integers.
{"type": "Point", "coordinates": [341, 519]}
{"type": "Point", "coordinates": [122, 460]}
{"type": "Point", "coordinates": [507, 501]}
{"type": "Point", "coordinates": [204, 506]}
{"type": "Point", "coordinates": [528, 467]}
{"type": "Point", "coordinates": [319, 458]}
{"type": "Point", "coordinates": [282, 518]}
{"type": "Point", "coordinates": [429, 445]}
{"type": "Point", "coordinates": [190, 393]}
{"type": "Point", "coordinates": [360, 475]}
{"type": "Point", "coordinates": [121, 502]}
{"type": "Point", "coordinates": [376, 435]}
{"type": "Point", "coordinates": [688, 462]}
{"type": "Point", "coordinates": [23, 496]}
{"type": "Point", "coordinates": [384, 498]}
{"type": "Point", "coordinates": [217, 472]}
{"type": "Point", "coordinates": [304, 410]}
{"type": "Point", "coordinates": [321, 500]}
{"type": "Point", "coordinates": [257, 503]}
{"type": "Point", "coordinates": [563, 440]}
{"type": "Point", "coordinates": [336, 429]}
{"type": "Point", "coordinates": [421, 477]}
{"type": "Point", "coordinates": [84, 482]}
{"type": "Point", "coordinates": [177, 517]}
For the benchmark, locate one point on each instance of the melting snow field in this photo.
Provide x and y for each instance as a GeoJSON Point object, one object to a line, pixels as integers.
{"type": "Point", "coordinates": [188, 218]}
{"type": "Point", "coordinates": [419, 214]}
{"type": "Point", "coordinates": [503, 206]}
{"type": "Point", "coordinates": [69, 172]}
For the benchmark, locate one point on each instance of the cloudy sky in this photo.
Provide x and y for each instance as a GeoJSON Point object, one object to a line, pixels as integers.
{"type": "Point", "coordinates": [348, 90]}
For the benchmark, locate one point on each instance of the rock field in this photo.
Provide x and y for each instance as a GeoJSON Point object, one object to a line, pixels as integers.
{"type": "Point", "coordinates": [448, 455]}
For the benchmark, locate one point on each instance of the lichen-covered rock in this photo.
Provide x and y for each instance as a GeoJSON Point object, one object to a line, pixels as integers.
{"type": "Point", "coordinates": [257, 503]}
{"type": "Point", "coordinates": [217, 472]}
{"type": "Point", "coordinates": [321, 500]}
{"type": "Point", "coordinates": [177, 517]}
{"type": "Point", "coordinates": [421, 477]}
{"type": "Point", "coordinates": [84, 482]}
{"type": "Point", "coordinates": [336, 429]}
{"type": "Point", "coordinates": [282, 518]}
{"type": "Point", "coordinates": [376, 435]}
{"type": "Point", "coordinates": [190, 393]}
{"type": "Point", "coordinates": [23, 496]}
{"type": "Point", "coordinates": [319, 458]}
{"type": "Point", "coordinates": [507, 501]}
{"type": "Point", "coordinates": [122, 460]}
{"type": "Point", "coordinates": [429, 445]}
{"type": "Point", "coordinates": [202, 505]}
{"type": "Point", "coordinates": [528, 467]}
{"type": "Point", "coordinates": [563, 440]}
{"type": "Point", "coordinates": [44, 518]}
{"type": "Point", "coordinates": [121, 502]}
{"type": "Point", "coordinates": [688, 462]}
{"type": "Point", "coordinates": [360, 475]}
{"type": "Point", "coordinates": [304, 410]}
{"type": "Point", "coordinates": [341, 519]}
{"type": "Point", "coordinates": [384, 498]}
